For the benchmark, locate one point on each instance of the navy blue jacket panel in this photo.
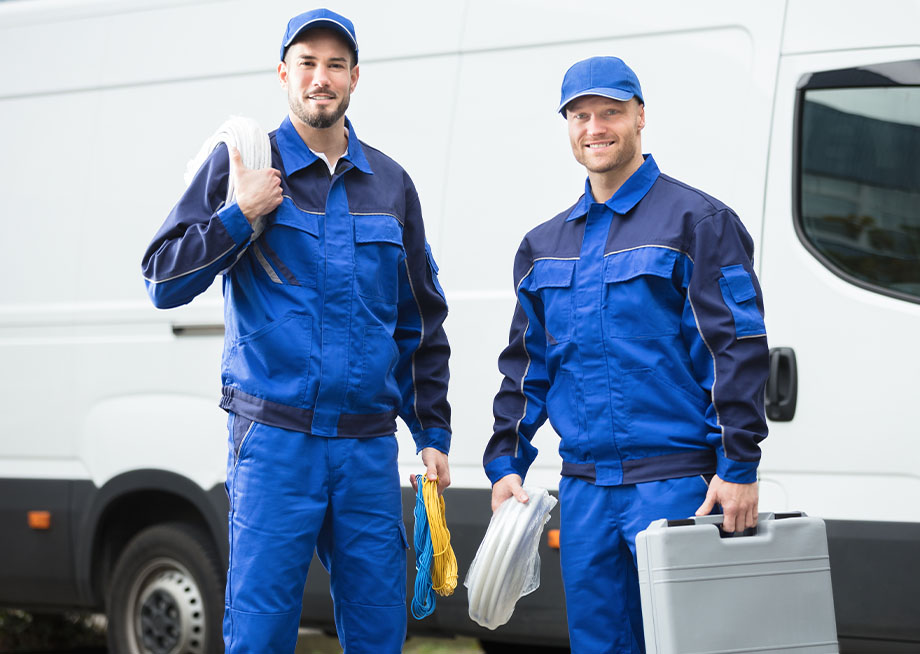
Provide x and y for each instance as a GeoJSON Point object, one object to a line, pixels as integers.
{"type": "Point", "coordinates": [639, 333]}
{"type": "Point", "coordinates": [333, 315]}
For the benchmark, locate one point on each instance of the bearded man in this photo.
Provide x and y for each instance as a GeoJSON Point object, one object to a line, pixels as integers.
{"type": "Point", "coordinates": [333, 328]}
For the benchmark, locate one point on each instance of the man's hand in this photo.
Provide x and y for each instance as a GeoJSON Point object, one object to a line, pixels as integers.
{"type": "Point", "coordinates": [506, 487]}
{"type": "Point", "coordinates": [258, 192]}
{"type": "Point", "coordinates": [437, 468]}
{"type": "Point", "coordinates": [739, 504]}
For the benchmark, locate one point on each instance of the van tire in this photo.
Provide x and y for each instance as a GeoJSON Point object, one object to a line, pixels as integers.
{"type": "Point", "coordinates": [166, 593]}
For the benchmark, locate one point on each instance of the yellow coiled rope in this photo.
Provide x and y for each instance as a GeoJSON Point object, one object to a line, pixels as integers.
{"type": "Point", "coordinates": [444, 566]}
{"type": "Point", "coordinates": [435, 563]}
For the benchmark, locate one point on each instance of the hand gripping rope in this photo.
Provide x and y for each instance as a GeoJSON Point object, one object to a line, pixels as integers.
{"type": "Point", "coordinates": [507, 564]}
{"type": "Point", "coordinates": [435, 563]}
{"type": "Point", "coordinates": [247, 136]}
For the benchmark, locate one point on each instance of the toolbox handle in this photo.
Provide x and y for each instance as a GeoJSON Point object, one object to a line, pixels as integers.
{"type": "Point", "coordinates": [716, 520]}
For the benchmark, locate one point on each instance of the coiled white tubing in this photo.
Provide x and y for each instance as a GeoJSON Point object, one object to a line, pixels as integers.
{"type": "Point", "coordinates": [507, 565]}
{"type": "Point", "coordinates": [247, 136]}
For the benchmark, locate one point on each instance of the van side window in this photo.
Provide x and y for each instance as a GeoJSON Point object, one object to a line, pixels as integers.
{"type": "Point", "coordinates": [858, 177]}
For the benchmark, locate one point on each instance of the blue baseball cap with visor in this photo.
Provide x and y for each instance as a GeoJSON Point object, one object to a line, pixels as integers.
{"type": "Point", "coordinates": [608, 77]}
{"type": "Point", "coordinates": [319, 18]}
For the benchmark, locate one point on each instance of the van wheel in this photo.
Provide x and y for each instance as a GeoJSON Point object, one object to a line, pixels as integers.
{"type": "Point", "coordinates": [166, 594]}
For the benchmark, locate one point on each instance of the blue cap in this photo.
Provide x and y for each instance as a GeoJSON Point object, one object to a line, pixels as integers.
{"type": "Point", "coordinates": [609, 77]}
{"type": "Point", "coordinates": [319, 18]}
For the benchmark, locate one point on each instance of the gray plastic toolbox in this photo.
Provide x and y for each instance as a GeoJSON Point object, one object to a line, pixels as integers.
{"type": "Point", "coordinates": [766, 592]}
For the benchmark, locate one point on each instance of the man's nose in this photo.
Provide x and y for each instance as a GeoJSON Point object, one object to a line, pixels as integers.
{"type": "Point", "coordinates": [321, 76]}
{"type": "Point", "coordinates": [595, 126]}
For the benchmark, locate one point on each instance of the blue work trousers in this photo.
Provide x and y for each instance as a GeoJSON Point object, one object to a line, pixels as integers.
{"type": "Point", "coordinates": [597, 539]}
{"type": "Point", "coordinates": [292, 493]}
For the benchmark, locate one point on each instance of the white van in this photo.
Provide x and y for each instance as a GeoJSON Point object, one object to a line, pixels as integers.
{"type": "Point", "coordinates": [803, 115]}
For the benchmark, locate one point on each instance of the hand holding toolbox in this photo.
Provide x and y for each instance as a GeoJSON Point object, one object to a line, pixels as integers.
{"type": "Point", "coordinates": [769, 591]}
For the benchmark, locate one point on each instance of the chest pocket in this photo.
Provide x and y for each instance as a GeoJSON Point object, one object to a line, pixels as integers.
{"type": "Point", "coordinates": [552, 282]}
{"type": "Point", "coordinates": [640, 297]}
{"type": "Point", "coordinates": [289, 247]}
{"type": "Point", "coordinates": [378, 255]}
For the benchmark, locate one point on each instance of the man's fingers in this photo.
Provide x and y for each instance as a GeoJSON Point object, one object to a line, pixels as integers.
{"type": "Point", "coordinates": [443, 478]}
{"type": "Point", "coordinates": [507, 487]}
{"type": "Point", "coordinates": [414, 482]}
{"type": "Point", "coordinates": [728, 522]}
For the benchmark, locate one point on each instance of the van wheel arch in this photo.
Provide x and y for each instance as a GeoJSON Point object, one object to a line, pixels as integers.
{"type": "Point", "coordinates": [137, 500]}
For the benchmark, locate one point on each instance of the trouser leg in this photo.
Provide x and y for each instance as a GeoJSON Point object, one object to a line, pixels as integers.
{"type": "Point", "coordinates": [596, 569]}
{"type": "Point", "coordinates": [598, 554]}
{"type": "Point", "coordinates": [363, 546]}
{"type": "Point", "coordinates": [278, 497]}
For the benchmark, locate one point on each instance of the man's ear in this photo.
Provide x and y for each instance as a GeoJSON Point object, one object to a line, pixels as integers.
{"type": "Point", "coordinates": [641, 122]}
{"type": "Point", "coordinates": [282, 74]}
{"type": "Point", "coordinates": [355, 72]}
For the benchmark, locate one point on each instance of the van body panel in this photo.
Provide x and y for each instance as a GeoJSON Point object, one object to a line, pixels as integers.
{"type": "Point", "coordinates": [853, 439]}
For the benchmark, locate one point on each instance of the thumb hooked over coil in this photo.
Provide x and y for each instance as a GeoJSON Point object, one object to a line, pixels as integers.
{"type": "Point", "coordinates": [253, 144]}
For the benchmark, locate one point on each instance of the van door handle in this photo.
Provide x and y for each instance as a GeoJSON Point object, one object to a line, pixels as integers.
{"type": "Point", "coordinates": [782, 385]}
{"type": "Point", "coordinates": [198, 330]}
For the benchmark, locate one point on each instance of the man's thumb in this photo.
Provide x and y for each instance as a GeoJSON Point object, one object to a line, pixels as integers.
{"type": "Point", "coordinates": [707, 506]}
{"type": "Point", "coordinates": [236, 160]}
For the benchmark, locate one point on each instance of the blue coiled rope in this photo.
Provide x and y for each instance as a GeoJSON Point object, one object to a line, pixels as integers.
{"type": "Point", "coordinates": [424, 600]}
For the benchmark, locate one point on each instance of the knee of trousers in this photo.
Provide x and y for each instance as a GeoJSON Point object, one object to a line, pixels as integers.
{"type": "Point", "coordinates": [258, 633]}
{"type": "Point", "coordinates": [365, 629]}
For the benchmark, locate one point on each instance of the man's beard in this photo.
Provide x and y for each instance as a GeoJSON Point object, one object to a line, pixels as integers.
{"type": "Point", "coordinates": [320, 119]}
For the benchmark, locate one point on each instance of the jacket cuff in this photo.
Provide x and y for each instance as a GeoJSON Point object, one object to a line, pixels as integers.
{"type": "Point", "coordinates": [506, 465]}
{"type": "Point", "coordinates": [736, 472]}
{"type": "Point", "coordinates": [435, 437]}
{"type": "Point", "coordinates": [235, 223]}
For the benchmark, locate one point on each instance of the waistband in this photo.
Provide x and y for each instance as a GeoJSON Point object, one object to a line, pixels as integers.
{"type": "Point", "coordinates": [652, 468]}
{"type": "Point", "coordinates": [350, 425]}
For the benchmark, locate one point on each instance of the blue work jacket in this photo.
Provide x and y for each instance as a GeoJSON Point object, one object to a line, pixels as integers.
{"type": "Point", "coordinates": [333, 315]}
{"type": "Point", "coordinates": [639, 332]}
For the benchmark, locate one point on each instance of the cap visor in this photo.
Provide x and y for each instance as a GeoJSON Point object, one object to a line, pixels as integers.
{"type": "Point", "coordinates": [613, 94]}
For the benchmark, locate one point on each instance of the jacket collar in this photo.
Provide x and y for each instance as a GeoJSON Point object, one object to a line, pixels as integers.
{"type": "Point", "coordinates": [295, 155]}
{"type": "Point", "coordinates": [627, 196]}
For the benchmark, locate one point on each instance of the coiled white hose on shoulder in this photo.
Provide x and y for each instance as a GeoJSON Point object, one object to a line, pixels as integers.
{"type": "Point", "coordinates": [247, 136]}
{"type": "Point", "coordinates": [507, 564]}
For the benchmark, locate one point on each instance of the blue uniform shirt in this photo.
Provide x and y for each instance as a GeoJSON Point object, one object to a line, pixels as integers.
{"type": "Point", "coordinates": [639, 333]}
{"type": "Point", "coordinates": [334, 314]}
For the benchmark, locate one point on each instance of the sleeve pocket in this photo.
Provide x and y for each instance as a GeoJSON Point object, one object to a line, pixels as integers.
{"type": "Point", "coordinates": [741, 298]}
{"type": "Point", "coordinates": [433, 269]}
